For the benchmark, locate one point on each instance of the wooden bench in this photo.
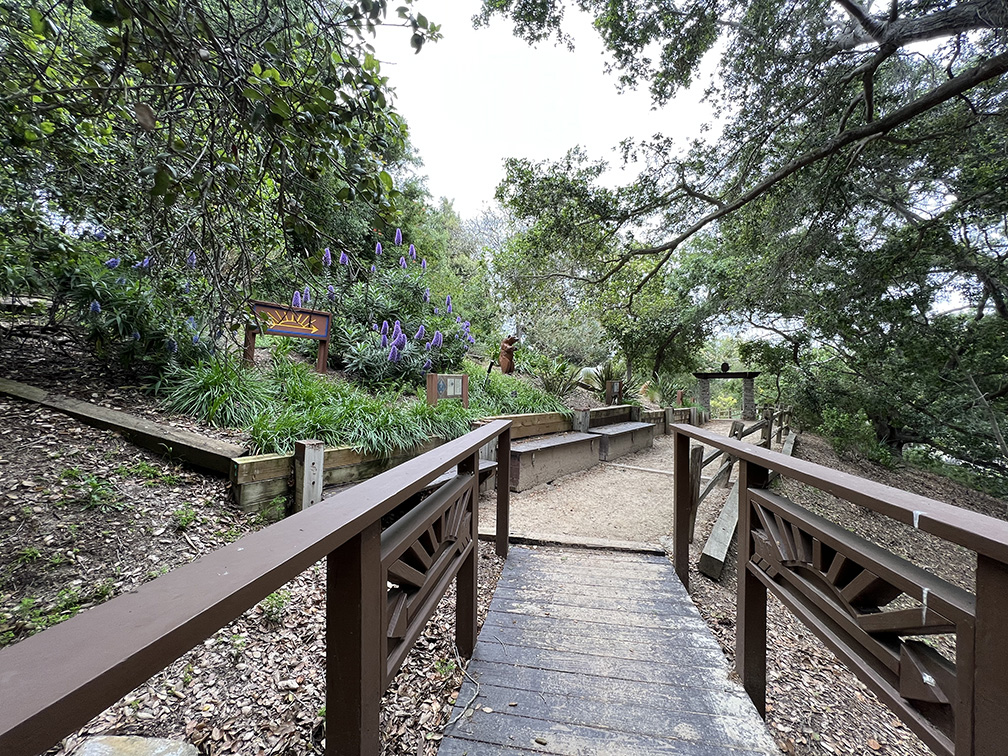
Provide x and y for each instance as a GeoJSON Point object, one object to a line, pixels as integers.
{"type": "Point", "coordinates": [622, 438]}
{"type": "Point", "coordinates": [539, 460]}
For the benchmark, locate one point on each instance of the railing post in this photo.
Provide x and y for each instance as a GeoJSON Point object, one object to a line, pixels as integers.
{"type": "Point", "coordinates": [695, 471]}
{"type": "Point", "coordinates": [354, 592]}
{"type": "Point", "coordinates": [503, 492]}
{"type": "Point", "coordinates": [467, 580]}
{"type": "Point", "coordinates": [681, 505]}
{"type": "Point", "coordinates": [990, 697]}
{"type": "Point", "coordinates": [750, 625]}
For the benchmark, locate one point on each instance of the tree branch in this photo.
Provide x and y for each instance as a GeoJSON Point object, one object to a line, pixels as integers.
{"type": "Point", "coordinates": [989, 69]}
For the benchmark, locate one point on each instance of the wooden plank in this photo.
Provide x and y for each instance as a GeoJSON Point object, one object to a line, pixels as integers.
{"type": "Point", "coordinates": [715, 551]}
{"type": "Point", "coordinates": [570, 710]}
{"type": "Point", "coordinates": [630, 670]}
{"type": "Point", "coordinates": [641, 604]}
{"type": "Point", "coordinates": [537, 423]}
{"type": "Point", "coordinates": [176, 443]}
{"type": "Point", "coordinates": [259, 467]}
{"type": "Point", "coordinates": [677, 631]}
{"type": "Point", "coordinates": [676, 697]}
{"type": "Point", "coordinates": [539, 443]}
{"type": "Point", "coordinates": [680, 650]}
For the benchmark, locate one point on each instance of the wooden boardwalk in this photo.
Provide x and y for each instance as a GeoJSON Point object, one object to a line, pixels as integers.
{"type": "Point", "coordinates": [586, 652]}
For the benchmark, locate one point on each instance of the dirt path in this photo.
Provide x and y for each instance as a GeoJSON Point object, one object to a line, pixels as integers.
{"type": "Point", "coordinates": [626, 500]}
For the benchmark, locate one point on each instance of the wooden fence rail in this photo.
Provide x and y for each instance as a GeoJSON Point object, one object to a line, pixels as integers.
{"type": "Point", "coordinates": [871, 607]}
{"type": "Point", "coordinates": [381, 589]}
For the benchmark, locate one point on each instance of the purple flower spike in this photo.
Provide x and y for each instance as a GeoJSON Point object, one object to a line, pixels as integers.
{"type": "Point", "coordinates": [437, 311]}
{"type": "Point", "coordinates": [172, 346]}
{"type": "Point", "coordinates": [187, 288]}
{"type": "Point", "coordinates": [195, 338]}
{"type": "Point", "coordinates": [191, 260]}
{"type": "Point", "coordinates": [384, 340]}
{"type": "Point", "coordinates": [145, 263]}
{"type": "Point", "coordinates": [393, 354]}
{"type": "Point", "coordinates": [327, 257]}
{"type": "Point", "coordinates": [136, 335]}
{"type": "Point", "coordinates": [423, 264]}
{"type": "Point", "coordinates": [448, 304]}
{"type": "Point", "coordinates": [398, 236]}
{"type": "Point", "coordinates": [458, 318]}
{"type": "Point", "coordinates": [99, 235]}
{"type": "Point", "coordinates": [427, 366]}
{"type": "Point", "coordinates": [412, 252]}
{"type": "Point", "coordinates": [373, 268]}
{"type": "Point", "coordinates": [377, 249]}
{"type": "Point", "coordinates": [296, 299]}
{"type": "Point", "coordinates": [402, 262]}
{"type": "Point", "coordinates": [438, 339]}
{"type": "Point", "coordinates": [401, 341]}
{"type": "Point", "coordinates": [472, 340]}
{"type": "Point", "coordinates": [332, 293]}
{"type": "Point", "coordinates": [421, 332]}
{"type": "Point", "coordinates": [113, 263]}
{"type": "Point", "coordinates": [384, 327]}
{"type": "Point", "coordinates": [374, 326]}
{"type": "Point", "coordinates": [95, 307]}
{"type": "Point", "coordinates": [427, 346]}
{"type": "Point", "coordinates": [426, 295]}
{"type": "Point", "coordinates": [306, 297]}
{"type": "Point", "coordinates": [396, 329]}
{"type": "Point", "coordinates": [343, 259]}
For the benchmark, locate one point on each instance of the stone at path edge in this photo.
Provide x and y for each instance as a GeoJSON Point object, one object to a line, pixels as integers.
{"type": "Point", "coordinates": [131, 745]}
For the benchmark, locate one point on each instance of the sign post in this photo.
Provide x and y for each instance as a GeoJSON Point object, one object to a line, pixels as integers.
{"type": "Point", "coordinates": [447, 387]}
{"type": "Point", "coordinates": [295, 322]}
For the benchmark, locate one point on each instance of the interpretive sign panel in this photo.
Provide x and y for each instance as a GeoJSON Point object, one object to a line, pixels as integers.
{"type": "Point", "coordinates": [295, 322]}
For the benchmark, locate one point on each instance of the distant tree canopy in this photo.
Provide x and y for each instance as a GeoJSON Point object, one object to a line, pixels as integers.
{"type": "Point", "coordinates": [852, 198]}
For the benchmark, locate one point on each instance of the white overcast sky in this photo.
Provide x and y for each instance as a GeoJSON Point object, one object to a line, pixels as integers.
{"type": "Point", "coordinates": [479, 96]}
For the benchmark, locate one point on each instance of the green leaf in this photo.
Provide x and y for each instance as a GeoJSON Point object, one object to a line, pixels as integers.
{"type": "Point", "coordinates": [37, 22]}
{"type": "Point", "coordinates": [386, 180]}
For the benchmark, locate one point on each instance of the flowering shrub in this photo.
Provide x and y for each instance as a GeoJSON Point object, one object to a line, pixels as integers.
{"type": "Point", "coordinates": [385, 329]}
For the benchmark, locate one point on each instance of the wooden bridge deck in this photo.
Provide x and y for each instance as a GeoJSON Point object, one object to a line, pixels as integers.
{"type": "Point", "coordinates": [598, 653]}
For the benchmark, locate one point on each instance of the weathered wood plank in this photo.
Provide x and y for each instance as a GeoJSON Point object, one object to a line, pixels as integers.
{"type": "Point", "coordinates": [615, 714]}
{"type": "Point", "coordinates": [563, 670]}
{"type": "Point", "coordinates": [176, 443]}
{"type": "Point", "coordinates": [639, 602]}
{"type": "Point", "coordinates": [730, 700]}
{"type": "Point", "coordinates": [537, 423]}
{"type": "Point", "coordinates": [543, 736]}
{"type": "Point", "coordinates": [715, 551]}
{"type": "Point", "coordinates": [657, 648]}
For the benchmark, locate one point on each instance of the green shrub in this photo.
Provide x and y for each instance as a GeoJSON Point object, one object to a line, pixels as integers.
{"type": "Point", "coordinates": [219, 391]}
{"type": "Point", "coordinates": [852, 436]}
{"type": "Point", "coordinates": [557, 376]}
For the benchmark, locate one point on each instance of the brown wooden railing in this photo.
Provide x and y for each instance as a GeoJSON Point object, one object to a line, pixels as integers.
{"type": "Point", "coordinates": [871, 607]}
{"type": "Point", "coordinates": [381, 589]}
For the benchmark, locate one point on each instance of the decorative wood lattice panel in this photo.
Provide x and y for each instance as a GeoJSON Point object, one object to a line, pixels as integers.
{"type": "Point", "coordinates": [877, 611]}
{"type": "Point", "coordinates": [421, 554]}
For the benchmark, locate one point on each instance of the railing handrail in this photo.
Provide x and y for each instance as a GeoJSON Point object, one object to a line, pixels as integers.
{"type": "Point", "coordinates": [57, 680]}
{"type": "Point", "coordinates": [977, 532]}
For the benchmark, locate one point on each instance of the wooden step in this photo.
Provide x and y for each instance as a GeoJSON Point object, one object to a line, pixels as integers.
{"type": "Point", "coordinates": [539, 460]}
{"type": "Point", "coordinates": [623, 438]}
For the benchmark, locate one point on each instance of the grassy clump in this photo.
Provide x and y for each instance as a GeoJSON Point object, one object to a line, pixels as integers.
{"type": "Point", "coordinates": [291, 402]}
{"type": "Point", "coordinates": [499, 394]}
